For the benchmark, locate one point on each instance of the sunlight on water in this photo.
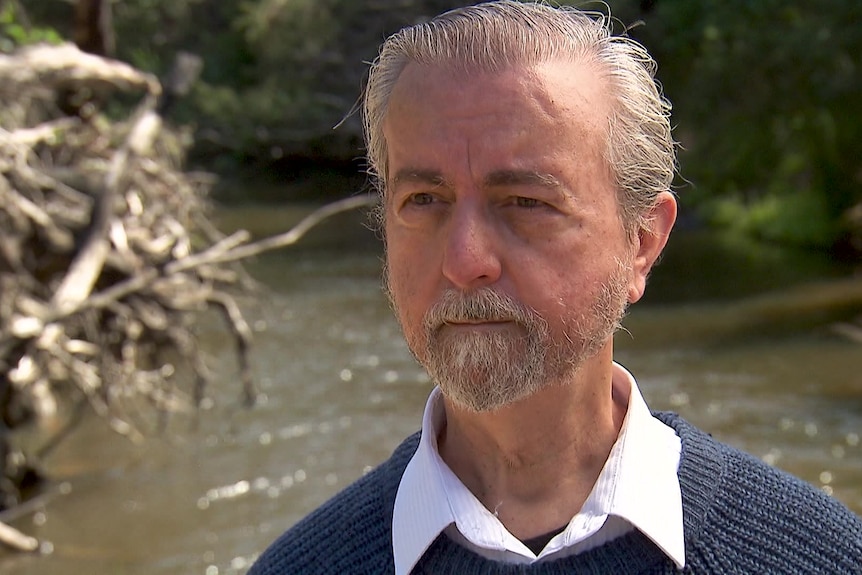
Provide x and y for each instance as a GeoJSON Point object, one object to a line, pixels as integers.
{"type": "Point", "coordinates": [339, 391]}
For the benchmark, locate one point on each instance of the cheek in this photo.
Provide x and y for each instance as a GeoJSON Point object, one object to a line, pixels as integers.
{"type": "Point", "coordinates": [413, 265]}
{"type": "Point", "coordinates": [404, 291]}
{"type": "Point", "coordinates": [401, 268]}
{"type": "Point", "coordinates": [565, 297]}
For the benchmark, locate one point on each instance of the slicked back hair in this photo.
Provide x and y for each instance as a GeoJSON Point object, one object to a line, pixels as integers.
{"type": "Point", "coordinates": [494, 36]}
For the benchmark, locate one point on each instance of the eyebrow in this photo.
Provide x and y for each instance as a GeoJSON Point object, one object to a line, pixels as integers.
{"type": "Point", "coordinates": [503, 178]}
{"type": "Point", "coordinates": [497, 179]}
{"type": "Point", "coordinates": [417, 176]}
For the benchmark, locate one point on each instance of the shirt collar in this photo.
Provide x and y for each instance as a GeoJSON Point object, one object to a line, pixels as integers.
{"type": "Point", "coordinates": [648, 493]}
{"type": "Point", "coordinates": [639, 483]}
{"type": "Point", "coordinates": [422, 509]}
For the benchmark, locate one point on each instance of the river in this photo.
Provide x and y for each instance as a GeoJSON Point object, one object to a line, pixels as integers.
{"type": "Point", "coordinates": [721, 338]}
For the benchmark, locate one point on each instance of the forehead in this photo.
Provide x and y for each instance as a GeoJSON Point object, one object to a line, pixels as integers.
{"type": "Point", "coordinates": [548, 119]}
{"type": "Point", "coordinates": [558, 99]}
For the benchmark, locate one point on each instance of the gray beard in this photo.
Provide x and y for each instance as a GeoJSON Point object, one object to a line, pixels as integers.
{"type": "Point", "coordinates": [483, 371]}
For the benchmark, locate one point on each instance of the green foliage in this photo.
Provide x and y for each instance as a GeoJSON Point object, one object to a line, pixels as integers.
{"type": "Point", "coordinates": [16, 30]}
{"type": "Point", "coordinates": [303, 78]}
{"type": "Point", "coordinates": [800, 218]}
{"type": "Point", "coordinates": [305, 30]}
{"type": "Point", "coordinates": [150, 32]}
{"type": "Point", "coordinates": [766, 95]}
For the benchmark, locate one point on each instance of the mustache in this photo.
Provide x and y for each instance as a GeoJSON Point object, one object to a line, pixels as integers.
{"type": "Point", "coordinates": [484, 304]}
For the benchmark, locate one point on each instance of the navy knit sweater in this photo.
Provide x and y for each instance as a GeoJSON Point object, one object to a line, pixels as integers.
{"type": "Point", "coordinates": [739, 514]}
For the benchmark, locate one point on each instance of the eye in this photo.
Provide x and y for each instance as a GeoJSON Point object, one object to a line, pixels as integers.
{"type": "Point", "coordinates": [420, 199]}
{"type": "Point", "coordinates": [523, 202]}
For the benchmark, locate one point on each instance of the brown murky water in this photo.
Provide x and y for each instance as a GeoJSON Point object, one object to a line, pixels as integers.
{"type": "Point", "coordinates": [341, 391]}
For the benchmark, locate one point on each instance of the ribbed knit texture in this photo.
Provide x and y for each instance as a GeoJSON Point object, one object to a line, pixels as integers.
{"type": "Point", "coordinates": [740, 517]}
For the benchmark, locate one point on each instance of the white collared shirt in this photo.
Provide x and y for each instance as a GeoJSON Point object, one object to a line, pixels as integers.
{"type": "Point", "coordinates": [638, 488]}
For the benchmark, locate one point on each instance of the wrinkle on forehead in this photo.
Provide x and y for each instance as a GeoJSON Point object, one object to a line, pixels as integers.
{"type": "Point", "coordinates": [558, 99]}
{"type": "Point", "coordinates": [584, 96]}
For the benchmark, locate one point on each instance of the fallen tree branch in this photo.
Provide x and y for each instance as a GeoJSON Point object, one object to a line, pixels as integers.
{"type": "Point", "coordinates": [13, 538]}
{"type": "Point", "coordinates": [282, 240]}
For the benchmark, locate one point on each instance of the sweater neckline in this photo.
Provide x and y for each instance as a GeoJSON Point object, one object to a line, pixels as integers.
{"type": "Point", "coordinates": [701, 464]}
{"type": "Point", "coordinates": [632, 552]}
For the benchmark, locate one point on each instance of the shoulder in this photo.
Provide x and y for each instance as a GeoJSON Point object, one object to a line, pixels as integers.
{"type": "Point", "coordinates": [743, 515]}
{"type": "Point", "coordinates": [350, 533]}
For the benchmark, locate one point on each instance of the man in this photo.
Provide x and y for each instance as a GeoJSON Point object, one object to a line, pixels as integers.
{"type": "Point", "coordinates": [524, 159]}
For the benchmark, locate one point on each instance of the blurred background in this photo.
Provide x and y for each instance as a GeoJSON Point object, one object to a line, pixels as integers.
{"type": "Point", "coordinates": [751, 326]}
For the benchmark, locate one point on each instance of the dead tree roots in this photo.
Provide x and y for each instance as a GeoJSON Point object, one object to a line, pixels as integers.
{"type": "Point", "coordinates": [106, 254]}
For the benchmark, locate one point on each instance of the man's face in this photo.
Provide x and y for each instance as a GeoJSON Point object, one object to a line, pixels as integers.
{"type": "Point", "coordinates": [507, 264]}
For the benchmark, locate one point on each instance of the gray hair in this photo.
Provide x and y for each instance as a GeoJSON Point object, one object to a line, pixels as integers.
{"type": "Point", "coordinates": [497, 35]}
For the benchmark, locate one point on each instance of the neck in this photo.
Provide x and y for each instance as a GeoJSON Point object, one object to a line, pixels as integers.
{"type": "Point", "coordinates": [534, 463]}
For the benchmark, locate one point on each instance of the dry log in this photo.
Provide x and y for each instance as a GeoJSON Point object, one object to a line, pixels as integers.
{"type": "Point", "coordinates": [44, 66]}
{"type": "Point", "coordinates": [852, 331]}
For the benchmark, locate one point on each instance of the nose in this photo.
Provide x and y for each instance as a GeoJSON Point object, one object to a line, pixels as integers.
{"type": "Point", "coordinates": [470, 260]}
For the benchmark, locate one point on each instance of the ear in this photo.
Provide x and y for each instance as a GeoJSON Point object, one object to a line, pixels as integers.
{"type": "Point", "coordinates": [650, 242]}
